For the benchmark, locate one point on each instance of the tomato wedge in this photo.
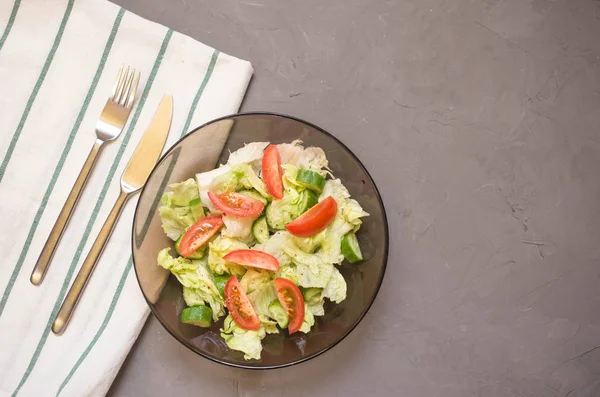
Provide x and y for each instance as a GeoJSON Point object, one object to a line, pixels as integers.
{"type": "Point", "coordinates": [237, 204]}
{"type": "Point", "coordinates": [271, 172]}
{"type": "Point", "coordinates": [291, 299]}
{"type": "Point", "coordinates": [314, 220]}
{"type": "Point", "coordinates": [198, 234]}
{"type": "Point", "coordinates": [239, 306]}
{"type": "Point", "coordinates": [253, 258]}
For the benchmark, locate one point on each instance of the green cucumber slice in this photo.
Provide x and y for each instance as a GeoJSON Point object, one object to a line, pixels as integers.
{"type": "Point", "coordinates": [350, 248]}
{"type": "Point", "coordinates": [200, 316]}
{"type": "Point", "coordinates": [308, 199]}
{"type": "Point", "coordinates": [260, 229]}
{"type": "Point", "coordinates": [279, 314]}
{"type": "Point", "coordinates": [312, 295]}
{"type": "Point", "coordinates": [220, 281]}
{"type": "Point", "coordinates": [311, 180]}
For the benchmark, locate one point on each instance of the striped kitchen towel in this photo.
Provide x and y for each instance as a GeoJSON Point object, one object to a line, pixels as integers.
{"type": "Point", "coordinates": [58, 62]}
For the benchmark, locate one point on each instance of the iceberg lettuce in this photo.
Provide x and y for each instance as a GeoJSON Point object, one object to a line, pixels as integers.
{"type": "Point", "coordinates": [198, 285]}
{"type": "Point", "coordinates": [237, 338]}
{"type": "Point", "coordinates": [220, 247]}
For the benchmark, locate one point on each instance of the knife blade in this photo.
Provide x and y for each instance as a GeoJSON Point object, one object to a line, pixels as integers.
{"type": "Point", "coordinates": [149, 149]}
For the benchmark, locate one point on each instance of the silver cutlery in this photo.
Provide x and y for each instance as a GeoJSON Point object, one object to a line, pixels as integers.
{"type": "Point", "coordinates": [108, 128]}
{"type": "Point", "coordinates": [133, 179]}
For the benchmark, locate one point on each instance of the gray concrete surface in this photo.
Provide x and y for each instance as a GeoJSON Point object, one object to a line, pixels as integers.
{"type": "Point", "coordinates": [479, 121]}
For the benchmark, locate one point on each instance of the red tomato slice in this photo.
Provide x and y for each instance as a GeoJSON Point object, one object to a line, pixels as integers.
{"type": "Point", "coordinates": [271, 172]}
{"type": "Point", "coordinates": [198, 234]}
{"type": "Point", "coordinates": [239, 306]}
{"type": "Point", "coordinates": [315, 219]}
{"type": "Point", "coordinates": [253, 258]}
{"type": "Point", "coordinates": [291, 299]}
{"type": "Point", "coordinates": [237, 204]}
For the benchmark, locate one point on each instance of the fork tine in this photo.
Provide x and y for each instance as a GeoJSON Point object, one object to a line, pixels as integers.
{"type": "Point", "coordinates": [123, 99]}
{"type": "Point", "coordinates": [121, 89]}
{"type": "Point", "coordinates": [133, 90]}
{"type": "Point", "coordinates": [117, 81]}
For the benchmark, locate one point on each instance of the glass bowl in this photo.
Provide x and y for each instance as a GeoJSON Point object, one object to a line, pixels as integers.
{"type": "Point", "coordinates": [188, 157]}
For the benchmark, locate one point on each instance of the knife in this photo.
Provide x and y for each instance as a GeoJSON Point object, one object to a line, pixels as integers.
{"type": "Point", "coordinates": [133, 179]}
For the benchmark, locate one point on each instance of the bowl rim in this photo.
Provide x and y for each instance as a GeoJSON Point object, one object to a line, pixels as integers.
{"type": "Point", "coordinates": [379, 282]}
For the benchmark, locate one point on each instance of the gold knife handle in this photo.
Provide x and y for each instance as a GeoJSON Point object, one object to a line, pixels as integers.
{"type": "Point", "coordinates": [43, 262]}
{"type": "Point", "coordinates": [76, 290]}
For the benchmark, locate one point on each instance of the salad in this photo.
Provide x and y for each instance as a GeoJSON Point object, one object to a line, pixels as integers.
{"type": "Point", "coordinates": [256, 241]}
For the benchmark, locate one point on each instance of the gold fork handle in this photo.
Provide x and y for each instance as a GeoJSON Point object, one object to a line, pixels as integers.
{"type": "Point", "coordinates": [70, 302]}
{"type": "Point", "coordinates": [41, 267]}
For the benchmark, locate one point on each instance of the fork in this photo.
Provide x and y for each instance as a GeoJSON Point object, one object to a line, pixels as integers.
{"type": "Point", "coordinates": [108, 128]}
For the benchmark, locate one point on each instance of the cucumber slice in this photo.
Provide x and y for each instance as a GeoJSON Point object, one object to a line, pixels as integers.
{"type": "Point", "coordinates": [198, 254]}
{"type": "Point", "coordinates": [260, 229]}
{"type": "Point", "coordinates": [200, 316]}
{"type": "Point", "coordinates": [196, 208]}
{"type": "Point", "coordinates": [254, 194]}
{"type": "Point", "coordinates": [312, 295]}
{"type": "Point", "coordinates": [220, 281]}
{"type": "Point", "coordinates": [350, 248]}
{"type": "Point", "coordinates": [308, 199]}
{"type": "Point", "coordinates": [276, 217]}
{"type": "Point", "coordinates": [311, 180]}
{"type": "Point", "coordinates": [279, 314]}
{"type": "Point", "coordinates": [177, 245]}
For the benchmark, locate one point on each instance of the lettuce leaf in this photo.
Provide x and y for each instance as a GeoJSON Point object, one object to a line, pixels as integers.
{"type": "Point", "coordinates": [281, 212]}
{"type": "Point", "coordinates": [335, 290]}
{"type": "Point", "coordinates": [312, 158]}
{"type": "Point", "coordinates": [198, 285]}
{"type": "Point", "coordinates": [238, 227]}
{"type": "Point", "coordinates": [257, 284]}
{"type": "Point", "coordinates": [289, 271]}
{"type": "Point", "coordinates": [251, 153]}
{"type": "Point", "coordinates": [352, 212]}
{"type": "Point", "coordinates": [270, 325]}
{"type": "Point", "coordinates": [311, 270]}
{"type": "Point", "coordinates": [274, 246]}
{"type": "Point", "coordinates": [310, 244]}
{"type": "Point", "coordinates": [309, 320]}
{"type": "Point", "coordinates": [175, 213]}
{"type": "Point", "coordinates": [347, 219]}
{"type": "Point", "coordinates": [182, 193]}
{"type": "Point", "coordinates": [248, 156]}
{"type": "Point", "coordinates": [240, 176]}
{"type": "Point", "coordinates": [237, 338]}
{"type": "Point", "coordinates": [220, 247]}
{"type": "Point", "coordinates": [313, 297]}
{"type": "Point", "coordinates": [331, 251]}
{"type": "Point", "coordinates": [290, 153]}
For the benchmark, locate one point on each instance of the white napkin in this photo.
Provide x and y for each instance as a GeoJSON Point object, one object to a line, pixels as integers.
{"type": "Point", "coordinates": [58, 63]}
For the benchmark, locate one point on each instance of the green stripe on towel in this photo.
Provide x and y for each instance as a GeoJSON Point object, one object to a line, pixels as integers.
{"type": "Point", "coordinates": [11, 21]}
{"type": "Point", "coordinates": [36, 89]}
{"type": "Point", "coordinates": [207, 76]}
{"type": "Point", "coordinates": [61, 161]}
{"type": "Point", "coordinates": [94, 215]}
{"type": "Point", "coordinates": [107, 318]}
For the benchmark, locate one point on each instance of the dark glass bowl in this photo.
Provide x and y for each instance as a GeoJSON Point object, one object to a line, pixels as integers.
{"type": "Point", "coordinates": [188, 157]}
